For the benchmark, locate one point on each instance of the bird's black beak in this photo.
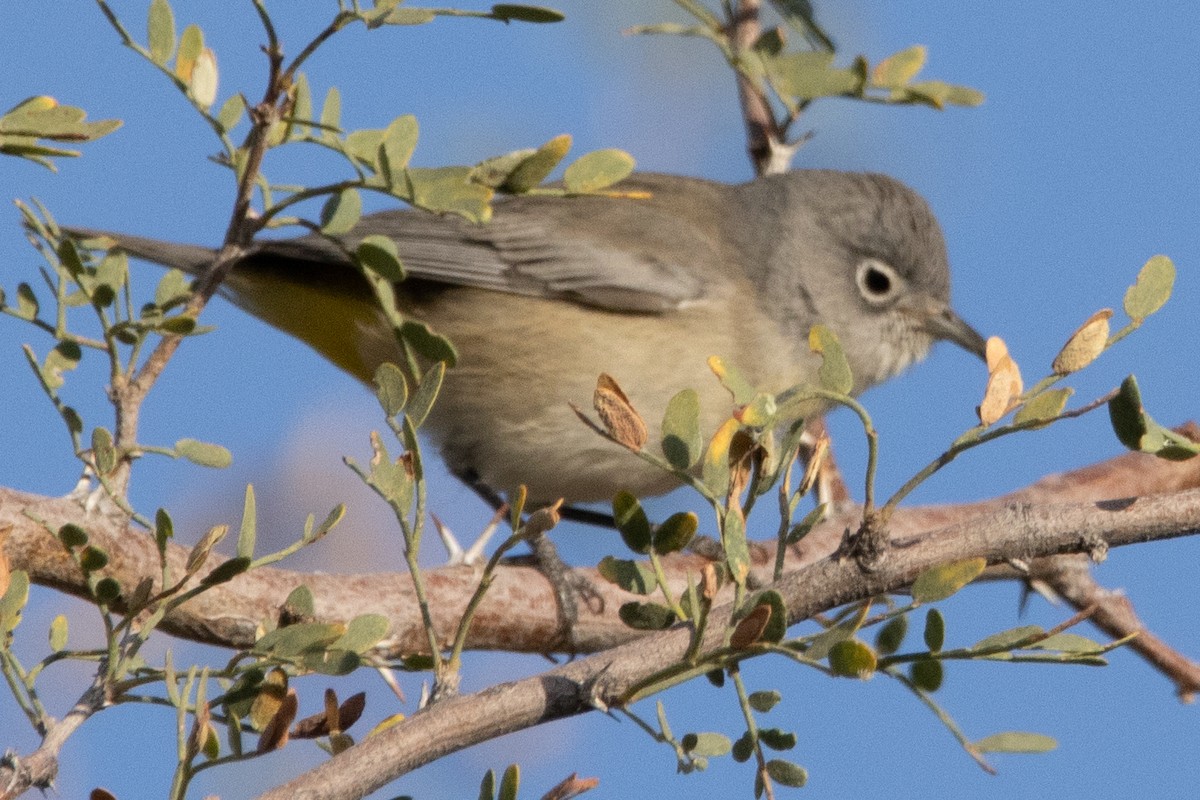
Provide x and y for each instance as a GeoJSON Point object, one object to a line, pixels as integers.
{"type": "Point", "coordinates": [945, 324]}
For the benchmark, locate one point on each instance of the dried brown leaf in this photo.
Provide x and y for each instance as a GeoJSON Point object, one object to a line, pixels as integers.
{"type": "Point", "coordinates": [1084, 345]}
{"type": "Point", "coordinates": [620, 418]}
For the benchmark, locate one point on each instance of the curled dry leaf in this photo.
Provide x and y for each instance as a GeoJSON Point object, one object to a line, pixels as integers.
{"type": "Point", "coordinates": [1084, 345]}
{"type": "Point", "coordinates": [751, 628]}
{"type": "Point", "coordinates": [814, 465]}
{"type": "Point", "coordinates": [1004, 384]}
{"type": "Point", "coordinates": [572, 786]}
{"type": "Point", "coordinates": [620, 418]}
{"type": "Point", "coordinates": [275, 734]}
{"type": "Point", "coordinates": [708, 582]}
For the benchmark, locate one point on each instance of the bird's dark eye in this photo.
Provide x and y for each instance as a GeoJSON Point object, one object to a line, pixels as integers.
{"type": "Point", "coordinates": [877, 282]}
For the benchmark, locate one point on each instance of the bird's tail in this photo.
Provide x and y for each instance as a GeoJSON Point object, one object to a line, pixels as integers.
{"type": "Point", "coordinates": [191, 258]}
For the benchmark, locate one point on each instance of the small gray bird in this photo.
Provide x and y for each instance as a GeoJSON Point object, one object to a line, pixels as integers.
{"type": "Point", "coordinates": [554, 291]}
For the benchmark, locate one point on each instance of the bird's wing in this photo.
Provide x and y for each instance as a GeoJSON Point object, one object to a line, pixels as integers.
{"type": "Point", "coordinates": [528, 249]}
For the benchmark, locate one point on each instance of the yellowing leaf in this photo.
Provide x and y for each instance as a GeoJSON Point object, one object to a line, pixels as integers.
{"type": "Point", "coordinates": [203, 85]}
{"type": "Point", "coordinates": [1084, 345]}
{"type": "Point", "coordinates": [899, 69]}
{"type": "Point", "coordinates": [940, 582]}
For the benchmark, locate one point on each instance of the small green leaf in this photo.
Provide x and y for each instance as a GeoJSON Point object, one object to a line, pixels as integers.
{"type": "Point", "coordinates": [940, 582]}
{"type": "Point", "coordinates": [510, 783]}
{"type": "Point", "coordinates": [1043, 408]}
{"type": "Point", "coordinates": [737, 549]}
{"type": "Point", "coordinates": [646, 616]}
{"type": "Point", "coordinates": [743, 748]}
{"type": "Point", "coordinates": [160, 27]}
{"type": "Point", "coordinates": [399, 142]}
{"type": "Point", "coordinates": [676, 532]}
{"type": "Point", "coordinates": [804, 526]}
{"type": "Point", "coordinates": [391, 388]}
{"type": "Point", "coordinates": [1007, 640]}
{"type": "Point", "coordinates": [103, 452]}
{"type": "Point", "coordinates": [164, 530]}
{"type": "Point", "coordinates": [891, 635]}
{"type": "Point", "coordinates": [733, 381]}
{"type": "Point", "coordinates": [92, 559]}
{"type": "Point", "coordinates": [487, 787]}
{"type": "Point", "coordinates": [682, 443]}
{"type": "Point", "coordinates": [191, 44]}
{"type": "Point", "coordinates": [341, 212]}
{"type": "Point", "coordinates": [935, 630]}
{"type": "Point", "coordinates": [834, 373]}
{"type": "Point", "coordinates": [107, 591]}
{"type": "Point", "coordinates": [204, 454]}
{"type": "Point", "coordinates": [537, 167]}
{"type": "Point", "coordinates": [72, 536]}
{"type": "Point", "coordinates": [58, 633]}
{"type": "Point", "coordinates": [426, 343]}
{"type": "Point", "coordinates": [226, 571]}
{"type": "Point", "coordinates": [1151, 289]}
{"type": "Point", "coordinates": [509, 12]}
{"type": "Point", "coordinates": [1016, 742]}
{"type": "Point", "coordinates": [632, 522]}
{"type": "Point", "coordinates": [777, 739]}
{"type": "Point", "coordinates": [706, 745]}
{"type": "Point", "coordinates": [247, 534]}
{"type": "Point", "coordinates": [927, 674]}
{"type": "Point", "coordinates": [635, 577]}
{"type": "Point", "coordinates": [1128, 418]}
{"type": "Point", "coordinates": [379, 255]}
{"type": "Point", "coordinates": [421, 401]}
{"type": "Point", "coordinates": [331, 112]}
{"type": "Point", "coordinates": [27, 303]}
{"type": "Point", "coordinates": [231, 112]}
{"type": "Point", "coordinates": [1137, 430]}
{"type": "Point", "coordinates": [898, 69]}
{"type": "Point", "coordinates": [1068, 643]}
{"type": "Point", "coordinates": [13, 601]}
{"type": "Point", "coordinates": [787, 773]}
{"type": "Point", "coordinates": [363, 632]}
{"type": "Point", "coordinates": [172, 290]}
{"type": "Point", "coordinates": [806, 75]}
{"type": "Point", "coordinates": [331, 520]}
{"type": "Point", "coordinates": [598, 170]}
{"type": "Point", "coordinates": [295, 640]}
{"type": "Point", "coordinates": [764, 701]}
{"type": "Point", "coordinates": [851, 658]}
{"type": "Point", "coordinates": [299, 604]}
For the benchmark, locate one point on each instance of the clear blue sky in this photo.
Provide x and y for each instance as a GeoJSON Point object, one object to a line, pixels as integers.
{"type": "Point", "coordinates": [1081, 164]}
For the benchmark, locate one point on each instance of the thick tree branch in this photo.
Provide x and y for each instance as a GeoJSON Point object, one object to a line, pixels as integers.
{"type": "Point", "coordinates": [1012, 531]}
{"type": "Point", "coordinates": [229, 615]}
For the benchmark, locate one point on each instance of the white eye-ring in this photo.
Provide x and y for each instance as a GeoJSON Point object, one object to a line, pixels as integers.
{"type": "Point", "coordinates": [877, 282]}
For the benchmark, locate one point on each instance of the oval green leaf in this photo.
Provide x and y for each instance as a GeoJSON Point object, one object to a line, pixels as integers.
{"type": "Point", "coordinates": [632, 522]}
{"type": "Point", "coordinates": [676, 532]}
{"type": "Point", "coordinates": [204, 453]}
{"type": "Point", "coordinates": [1016, 742]}
{"type": "Point", "coordinates": [944, 580]}
{"type": "Point", "coordinates": [935, 630]}
{"type": "Point", "coordinates": [927, 674]}
{"type": "Point", "coordinates": [598, 170]}
{"type": "Point", "coordinates": [341, 212]}
{"type": "Point", "coordinates": [681, 440]}
{"type": "Point", "coordinates": [851, 658]}
{"type": "Point", "coordinates": [1151, 289]}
